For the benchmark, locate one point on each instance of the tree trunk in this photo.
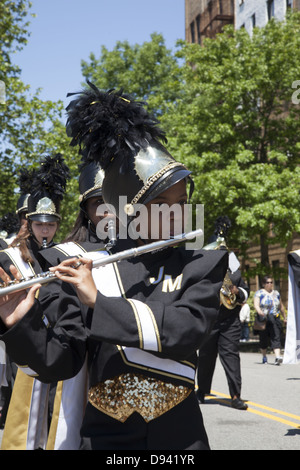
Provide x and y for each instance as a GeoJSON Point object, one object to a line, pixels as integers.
{"type": "Point", "coordinates": [264, 251]}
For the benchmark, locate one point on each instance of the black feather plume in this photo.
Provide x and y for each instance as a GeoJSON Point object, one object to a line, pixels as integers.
{"type": "Point", "coordinates": [25, 180]}
{"type": "Point", "coordinates": [109, 125]}
{"type": "Point", "coordinates": [9, 223]}
{"type": "Point", "coordinates": [51, 177]}
{"type": "Point", "coordinates": [222, 225]}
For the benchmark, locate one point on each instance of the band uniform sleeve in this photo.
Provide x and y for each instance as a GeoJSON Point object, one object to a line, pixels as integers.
{"type": "Point", "coordinates": [176, 328]}
{"type": "Point", "coordinates": [53, 351]}
{"type": "Point", "coordinates": [294, 260]}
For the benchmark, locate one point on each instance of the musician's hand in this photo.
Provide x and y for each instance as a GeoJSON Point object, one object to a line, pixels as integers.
{"type": "Point", "coordinates": [14, 306]}
{"type": "Point", "coordinates": [81, 277]}
{"type": "Point", "coordinates": [233, 289]}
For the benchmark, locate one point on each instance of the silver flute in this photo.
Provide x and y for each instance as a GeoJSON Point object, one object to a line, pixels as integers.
{"type": "Point", "coordinates": [48, 276]}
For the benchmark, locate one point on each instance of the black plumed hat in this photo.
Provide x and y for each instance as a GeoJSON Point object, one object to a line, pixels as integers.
{"type": "Point", "coordinates": [9, 224]}
{"type": "Point", "coordinates": [25, 182]}
{"type": "Point", "coordinates": [90, 181]}
{"type": "Point", "coordinates": [47, 189]}
{"type": "Point", "coordinates": [222, 225]}
{"type": "Point", "coordinates": [116, 132]}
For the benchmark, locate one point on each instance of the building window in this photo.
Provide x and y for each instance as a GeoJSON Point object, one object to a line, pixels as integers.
{"type": "Point", "coordinates": [289, 4]}
{"type": "Point", "coordinates": [276, 277]}
{"type": "Point", "coordinates": [270, 9]}
{"type": "Point", "coordinates": [192, 27]}
{"type": "Point", "coordinates": [253, 21]}
{"type": "Point", "coordinates": [220, 7]}
{"type": "Point", "coordinates": [198, 19]}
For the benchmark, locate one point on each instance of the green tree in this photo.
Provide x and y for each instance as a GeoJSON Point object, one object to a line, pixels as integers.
{"type": "Point", "coordinates": [149, 72]}
{"type": "Point", "coordinates": [29, 127]}
{"type": "Point", "coordinates": [237, 128]}
{"type": "Point", "coordinates": [228, 112]}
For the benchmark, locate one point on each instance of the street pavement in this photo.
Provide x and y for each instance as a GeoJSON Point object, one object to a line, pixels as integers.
{"type": "Point", "coordinates": [272, 421]}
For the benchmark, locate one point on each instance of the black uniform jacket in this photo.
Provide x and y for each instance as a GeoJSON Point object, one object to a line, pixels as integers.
{"type": "Point", "coordinates": [294, 260]}
{"type": "Point", "coordinates": [177, 291]}
{"type": "Point", "coordinates": [38, 265]}
{"type": "Point", "coordinates": [3, 244]}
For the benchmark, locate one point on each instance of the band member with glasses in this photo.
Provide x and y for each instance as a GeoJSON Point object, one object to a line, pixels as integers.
{"type": "Point", "coordinates": [268, 305]}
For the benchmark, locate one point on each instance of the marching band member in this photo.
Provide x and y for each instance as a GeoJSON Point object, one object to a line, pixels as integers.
{"type": "Point", "coordinates": [225, 336]}
{"type": "Point", "coordinates": [82, 239]}
{"type": "Point", "coordinates": [9, 227]}
{"type": "Point", "coordinates": [141, 320]}
{"type": "Point", "coordinates": [83, 235]}
{"type": "Point", "coordinates": [90, 188]}
{"type": "Point", "coordinates": [26, 424]}
{"type": "Point", "coordinates": [292, 339]}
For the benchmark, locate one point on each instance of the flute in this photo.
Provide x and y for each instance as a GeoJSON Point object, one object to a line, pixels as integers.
{"type": "Point", "coordinates": [48, 276]}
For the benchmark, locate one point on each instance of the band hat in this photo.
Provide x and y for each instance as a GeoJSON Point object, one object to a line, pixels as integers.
{"type": "Point", "coordinates": [25, 180]}
{"type": "Point", "coordinates": [116, 132]}
{"type": "Point", "coordinates": [90, 181]}
{"type": "Point", "coordinates": [9, 225]}
{"type": "Point", "coordinates": [47, 190]}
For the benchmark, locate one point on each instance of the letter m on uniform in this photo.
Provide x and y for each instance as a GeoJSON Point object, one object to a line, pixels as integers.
{"type": "Point", "coordinates": [169, 285]}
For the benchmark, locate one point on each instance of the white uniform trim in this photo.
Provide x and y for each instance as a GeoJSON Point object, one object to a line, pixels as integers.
{"type": "Point", "coordinates": [70, 249]}
{"type": "Point", "coordinates": [245, 293]}
{"type": "Point", "coordinates": [292, 339]}
{"type": "Point", "coordinates": [145, 360]}
{"type": "Point", "coordinates": [24, 268]}
{"type": "Point", "coordinates": [148, 325]}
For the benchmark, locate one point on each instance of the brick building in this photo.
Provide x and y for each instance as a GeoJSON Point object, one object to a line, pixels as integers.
{"type": "Point", "coordinates": [251, 13]}
{"type": "Point", "coordinates": [206, 18]}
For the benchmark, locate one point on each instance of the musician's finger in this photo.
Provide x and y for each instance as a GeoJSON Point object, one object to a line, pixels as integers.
{"type": "Point", "coordinates": [86, 262]}
{"type": "Point", "coordinates": [67, 262]}
{"type": "Point", "coordinates": [67, 276]}
{"type": "Point", "coordinates": [15, 272]}
{"type": "Point", "coordinates": [4, 276]}
{"type": "Point", "coordinates": [32, 291]}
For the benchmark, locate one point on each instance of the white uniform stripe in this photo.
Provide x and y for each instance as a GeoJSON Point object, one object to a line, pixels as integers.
{"type": "Point", "coordinates": [15, 255]}
{"type": "Point", "coordinates": [158, 364]}
{"type": "Point", "coordinates": [70, 249]}
{"type": "Point", "coordinates": [245, 293]}
{"type": "Point", "coordinates": [28, 371]}
{"type": "Point", "coordinates": [150, 342]}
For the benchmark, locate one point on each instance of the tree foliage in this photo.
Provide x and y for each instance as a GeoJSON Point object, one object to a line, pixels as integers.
{"type": "Point", "coordinates": [149, 71]}
{"type": "Point", "coordinates": [226, 106]}
{"type": "Point", "coordinates": [30, 128]}
{"type": "Point", "coordinates": [238, 128]}
{"type": "Point", "coordinates": [228, 112]}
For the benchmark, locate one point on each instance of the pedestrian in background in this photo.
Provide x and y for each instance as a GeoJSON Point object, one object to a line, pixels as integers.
{"type": "Point", "coordinates": [268, 305]}
{"type": "Point", "coordinates": [245, 319]}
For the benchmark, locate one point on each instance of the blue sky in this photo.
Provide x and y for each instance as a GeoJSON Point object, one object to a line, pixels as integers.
{"type": "Point", "coordinates": [66, 31]}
